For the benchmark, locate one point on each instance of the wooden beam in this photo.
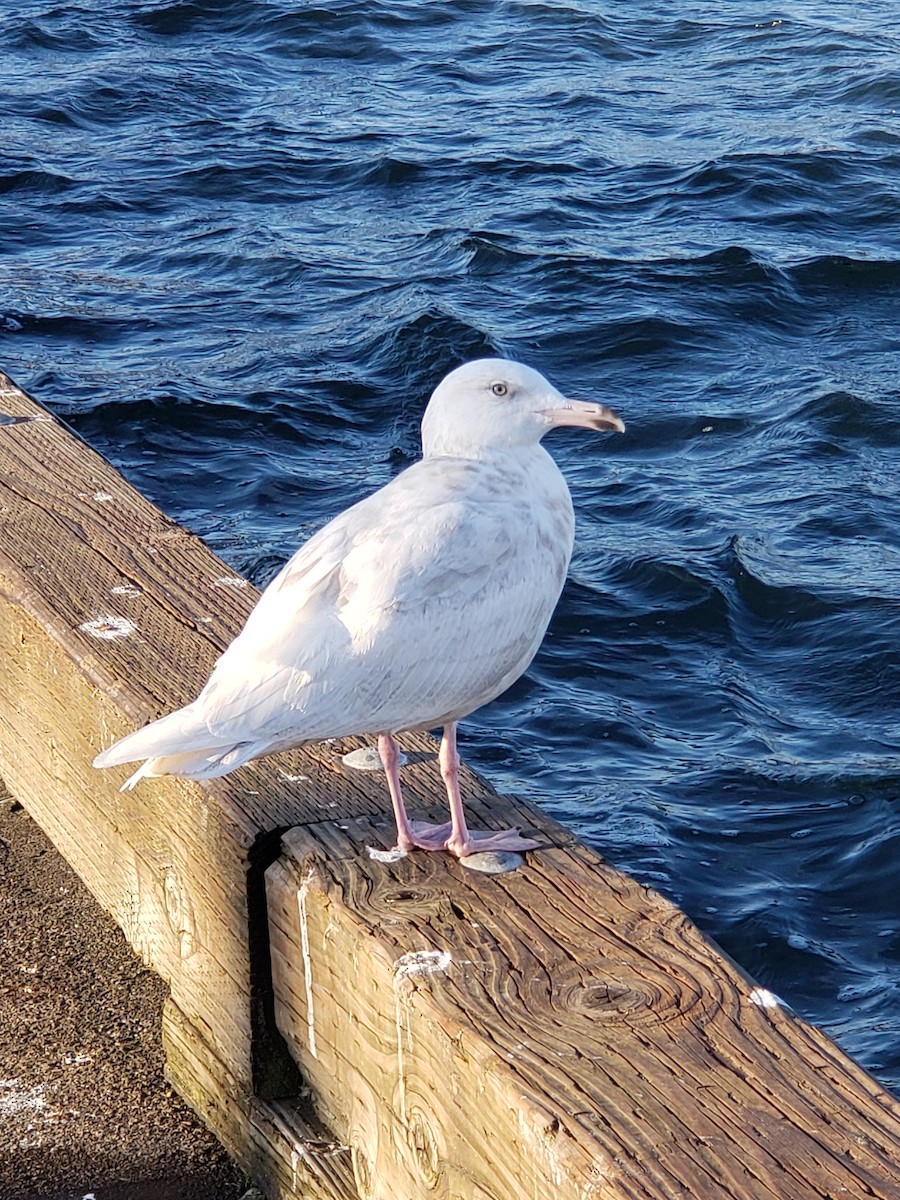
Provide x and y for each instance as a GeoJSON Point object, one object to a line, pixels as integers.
{"type": "Point", "coordinates": [558, 1032]}
{"type": "Point", "coordinates": [380, 1028]}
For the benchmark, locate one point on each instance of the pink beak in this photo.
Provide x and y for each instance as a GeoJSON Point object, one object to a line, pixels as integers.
{"type": "Point", "coordinates": [587, 416]}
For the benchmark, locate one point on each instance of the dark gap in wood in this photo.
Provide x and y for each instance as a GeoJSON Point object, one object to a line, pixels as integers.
{"type": "Point", "coordinates": [275, 1073]}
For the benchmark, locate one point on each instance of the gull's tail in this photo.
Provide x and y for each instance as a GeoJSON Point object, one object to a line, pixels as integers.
{"type": "Point", "coordinates": [179, 744]}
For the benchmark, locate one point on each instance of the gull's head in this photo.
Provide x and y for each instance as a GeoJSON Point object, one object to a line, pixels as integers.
{"type": "Point", "coordinates": [494, 404]}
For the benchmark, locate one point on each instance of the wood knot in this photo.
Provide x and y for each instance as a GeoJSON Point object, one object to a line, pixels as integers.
{"type": "Point", "coordinates": [407, 901]}
{"type": "Point", "coordinates": [424, 1145]}
{"type": "Point", "coordinates": [605, 994]}
{"type": "Point", "coordinates": [613, 993]}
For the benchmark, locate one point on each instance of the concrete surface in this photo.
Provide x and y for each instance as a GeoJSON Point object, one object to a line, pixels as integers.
{"type": "Point", "coordinates": [84, 1108]}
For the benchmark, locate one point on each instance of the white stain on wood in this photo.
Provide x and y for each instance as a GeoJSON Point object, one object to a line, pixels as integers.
{"type": "Point", "coordinates": [385, 856]}
{"type": "Point", "coordinates": [367, 758]}
{"type": "Point", "coordinates": [764, 998]}
{"type": "Point", "coordinates": [293, 778]}
{"type": "Point", "coordinates": [421, 962]}
{"type": "Point", "coordinates": [407, 966]}
{"type": "Point", "coordinates": [307, 965]}
{"type": "Point", "coordinates": [108, 627]}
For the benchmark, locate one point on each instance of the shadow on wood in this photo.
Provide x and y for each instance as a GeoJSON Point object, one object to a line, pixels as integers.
{"type": "Point", "coordinates": [408, 1028]}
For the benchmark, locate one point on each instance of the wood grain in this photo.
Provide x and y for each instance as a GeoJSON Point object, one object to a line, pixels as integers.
{"type": "Point", "coordinates": [557, 1032]}
{"type": "Point", "coordinates": [284, 1146]}
{"type": "Point", "coordinates": [179, 866]}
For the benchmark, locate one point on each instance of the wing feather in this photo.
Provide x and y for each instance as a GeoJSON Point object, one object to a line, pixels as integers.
{"type": "Point", "coordinates": [411, 608]}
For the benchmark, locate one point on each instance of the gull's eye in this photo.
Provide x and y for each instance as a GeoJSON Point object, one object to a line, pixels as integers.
{"type": "Point", "coordinates": [499, 388]}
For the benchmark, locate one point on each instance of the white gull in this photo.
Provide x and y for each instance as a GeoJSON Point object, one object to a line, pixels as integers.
{"type": "Point", "coordinates": [408, 611]}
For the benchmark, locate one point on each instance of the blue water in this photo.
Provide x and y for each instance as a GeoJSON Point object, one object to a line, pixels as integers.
{"type": "Point", "coordinates": [241, 242]}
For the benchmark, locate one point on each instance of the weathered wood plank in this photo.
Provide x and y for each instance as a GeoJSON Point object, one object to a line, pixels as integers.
{"type": "Point", "coordinates": [557, 1032]}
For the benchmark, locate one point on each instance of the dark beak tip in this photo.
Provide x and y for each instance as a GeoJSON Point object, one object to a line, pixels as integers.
{"type": "Point", "coordinates": [611, 424]}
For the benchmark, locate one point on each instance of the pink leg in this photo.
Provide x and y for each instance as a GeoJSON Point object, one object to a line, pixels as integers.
{"type": "Point", "coordinates": [462, 840]}
{"type": "Point", "coordinates": [409, 833]}
{"type": "Point", "coordinates": [390, 760]}
{"type": "Point", "coordinates": [455, 834]}
{"type": "Point", "coordinates": [448, 757]}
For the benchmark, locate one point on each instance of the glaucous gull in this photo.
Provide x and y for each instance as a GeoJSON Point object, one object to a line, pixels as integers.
{"type": "Point", "coordinates": [408, 611]}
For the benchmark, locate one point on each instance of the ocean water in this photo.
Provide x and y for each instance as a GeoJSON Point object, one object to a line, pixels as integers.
{"type": "Point", "coordinates": [241, 242]}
